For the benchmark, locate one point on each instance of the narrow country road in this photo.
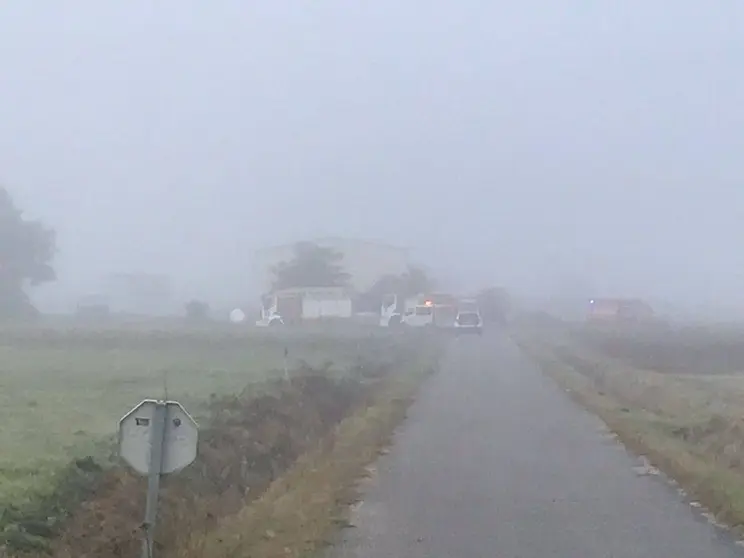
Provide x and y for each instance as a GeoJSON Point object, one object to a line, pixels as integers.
{"type": "Point", "coordinates": [495, 461]}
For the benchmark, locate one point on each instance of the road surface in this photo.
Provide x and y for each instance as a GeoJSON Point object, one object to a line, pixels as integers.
{"type": "Point", "coordinates": [495, 461]}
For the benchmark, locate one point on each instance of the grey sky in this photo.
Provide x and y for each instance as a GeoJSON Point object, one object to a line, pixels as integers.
{"type": "Point", "coordinates": [522, 141]}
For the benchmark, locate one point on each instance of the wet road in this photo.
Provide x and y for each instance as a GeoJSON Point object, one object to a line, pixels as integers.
{"type": "Point", "coordinates": [495, 461]}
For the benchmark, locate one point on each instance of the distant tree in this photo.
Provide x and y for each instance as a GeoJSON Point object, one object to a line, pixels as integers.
{"type": "Point", "coordinates": [27, 249]}
{"type": "Point", "coordinates": [494, 304]}
{"type": "Point", "coordinates": [92, 311]}
{"type": "Point", "coordinates": [415, 280]}
{"type": "Point", "coordinates": [197, 310]}
{"type": "Point", "coordinates": [311, 266]}
{"type": "Point", "coordinates": [140, 293]}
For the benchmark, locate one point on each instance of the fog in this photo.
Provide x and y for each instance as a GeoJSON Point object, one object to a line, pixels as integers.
{"type": "Point", "coordinates": [523, 144]}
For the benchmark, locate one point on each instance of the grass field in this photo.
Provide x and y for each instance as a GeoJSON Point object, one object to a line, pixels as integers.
{"type": "Point", "coordinates": [674, 395]}
{"type": "Point", "coordinates": [686, 350]}
{"type": "Point", "coordinates": [62, 391]}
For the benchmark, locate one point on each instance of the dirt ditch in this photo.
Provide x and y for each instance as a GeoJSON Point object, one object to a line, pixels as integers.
{"type": "Point", "coordinates": [249, 441]}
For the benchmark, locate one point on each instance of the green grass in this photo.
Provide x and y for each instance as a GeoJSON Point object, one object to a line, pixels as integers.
{"type": "Point", "coordinates": [680, 350]}
{"type": "Point", "coordinates": [688, 425]}
{"type": "Point", "coordinates": [62, 392]}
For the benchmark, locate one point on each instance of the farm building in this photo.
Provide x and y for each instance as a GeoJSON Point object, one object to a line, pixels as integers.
{"type": "Point", "coordinates": [306, 304]}
{"type": "Point", "coordinates": [366, 261]}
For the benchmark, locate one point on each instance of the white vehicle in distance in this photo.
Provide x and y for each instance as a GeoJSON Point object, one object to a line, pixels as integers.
{"type": "Point", "coordinates": [394, 308]}
{"type": "Point", "coordinates": [420, 315]}
{"type": "Point", "coordinates": [270, 312]}
{"type": "Point", "coordinates": [468, 318]}
{"type": "Point", "coordinates": [430, 314]}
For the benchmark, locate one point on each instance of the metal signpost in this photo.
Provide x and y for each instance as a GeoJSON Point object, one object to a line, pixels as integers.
{"type": "Point", "coordinates": [156, 438]}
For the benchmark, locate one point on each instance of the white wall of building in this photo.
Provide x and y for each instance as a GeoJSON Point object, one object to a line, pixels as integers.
{"type": "Point", "coordinates": [317, 308]}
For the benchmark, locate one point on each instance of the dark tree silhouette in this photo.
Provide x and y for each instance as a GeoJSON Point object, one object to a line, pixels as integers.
{"type": "Point", "coordinates": [410, 283]}
{"type": "Point", "coordinates": [27, 249]}
{"type": "Point", "coordinates": [494, 304]}
{"type": "Point", "coordinates": [197, 310]}
{"type": "Point", "coordinates": [311, 266]}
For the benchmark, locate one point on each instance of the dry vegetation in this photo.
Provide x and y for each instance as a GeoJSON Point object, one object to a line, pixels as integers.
{"type": "Point", "coordinates": [301, 512]}
{"type": "Point", "coordinates": [61, 486]}
{"type": "Point", "coordinates": [676, 396]}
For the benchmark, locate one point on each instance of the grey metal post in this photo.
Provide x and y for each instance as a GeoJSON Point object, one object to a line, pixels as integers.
{"type": "Point", "coordinates": [157, 434]}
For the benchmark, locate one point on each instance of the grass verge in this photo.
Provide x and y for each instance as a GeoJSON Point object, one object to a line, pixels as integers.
{"type": "Point", "coordinates": [63, 392]}
{"type": "Point", "coordinates": [688, 432]}
{"type": "Point", "coordinates": [301, 512]}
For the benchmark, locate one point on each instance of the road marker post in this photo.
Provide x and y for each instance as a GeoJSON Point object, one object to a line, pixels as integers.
{"type": "Point", "coordinates": [156, 437]}
{"type": "Point", "coordinates": [286, 364]}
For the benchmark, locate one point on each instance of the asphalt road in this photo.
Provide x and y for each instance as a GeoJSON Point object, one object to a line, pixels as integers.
{"type": "Point", "coordinates": [495, 461]}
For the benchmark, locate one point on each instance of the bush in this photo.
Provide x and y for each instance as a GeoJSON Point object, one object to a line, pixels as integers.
{"type": "Point", "coordinates": [197, 310]}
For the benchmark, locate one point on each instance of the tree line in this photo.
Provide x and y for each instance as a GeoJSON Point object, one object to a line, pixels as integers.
{"type": "Point", "coordinates": [28, 247]}
{"type": "Point", "coordinates": [313, 265]}
{"type": "Point", "coordinates": [319, 266]}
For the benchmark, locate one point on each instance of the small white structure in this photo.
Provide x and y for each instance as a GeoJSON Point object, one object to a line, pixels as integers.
{"type": "Point", "coordinates": [237, 316]}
